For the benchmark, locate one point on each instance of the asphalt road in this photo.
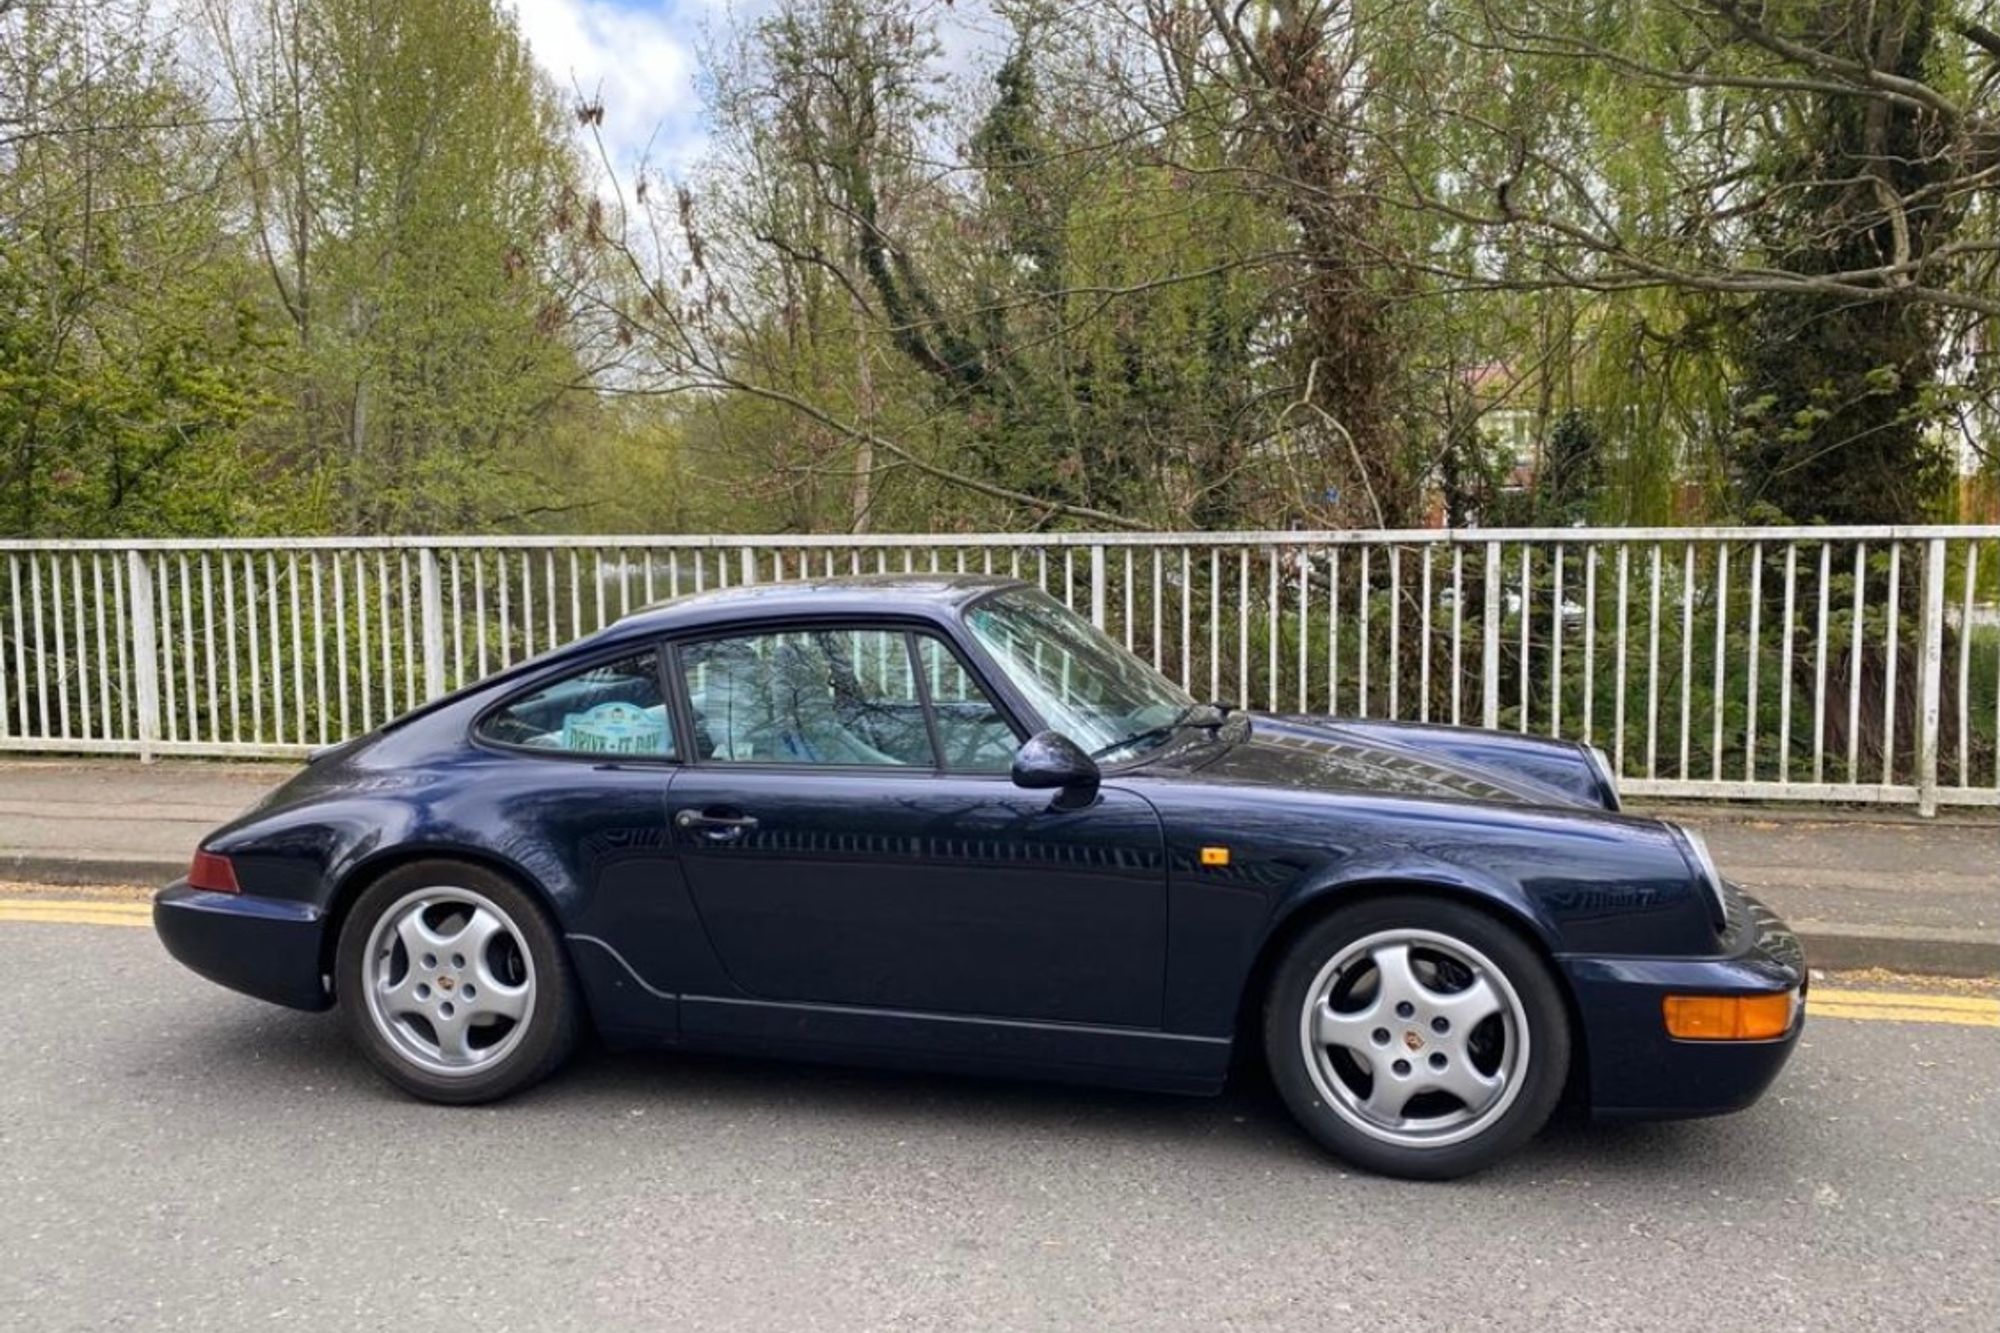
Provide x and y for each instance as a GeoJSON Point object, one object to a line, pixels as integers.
{"type": "Point", "coordinates": [174, 1156]}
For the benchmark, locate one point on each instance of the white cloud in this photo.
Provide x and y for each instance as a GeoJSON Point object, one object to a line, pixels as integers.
{"type": "Point", "coordinates": [641, 59]}
{"type": "Point", "coordinates": [638, 58]}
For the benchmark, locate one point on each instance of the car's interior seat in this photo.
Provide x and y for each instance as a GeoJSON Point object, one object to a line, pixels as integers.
{"type": "Point", "coordinates": [807, 724]}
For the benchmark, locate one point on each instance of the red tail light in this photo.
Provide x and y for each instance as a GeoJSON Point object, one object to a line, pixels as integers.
{"type": "Point", "coordinates": [214, 873]}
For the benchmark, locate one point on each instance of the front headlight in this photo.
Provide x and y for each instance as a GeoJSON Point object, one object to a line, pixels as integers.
{"type": "Point", "coordinates": [1696, 849]}
{"type": "Point", "coordinates": [1600, 762]}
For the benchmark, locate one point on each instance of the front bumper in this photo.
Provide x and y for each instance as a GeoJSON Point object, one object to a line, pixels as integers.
{"type": "Point", "coordinates": [1636, 1070]}
{"type": "Point", "coordinates": [267, 947]}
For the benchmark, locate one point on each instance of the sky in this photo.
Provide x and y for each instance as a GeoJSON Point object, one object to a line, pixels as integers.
{"type": "Point", "coordinates": [639, 57]}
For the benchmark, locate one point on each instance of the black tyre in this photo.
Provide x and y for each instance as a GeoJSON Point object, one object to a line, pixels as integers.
{"type": "Point", "coordinates": [454, 983]}
{"type": "Point", "coordinates": [1416, 1037]}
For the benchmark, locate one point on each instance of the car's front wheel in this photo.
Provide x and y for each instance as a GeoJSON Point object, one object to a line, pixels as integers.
{"type": "Point", "coordinates": [1416, 1036]}
{"type": "Point", "coordinates": [454, 983]}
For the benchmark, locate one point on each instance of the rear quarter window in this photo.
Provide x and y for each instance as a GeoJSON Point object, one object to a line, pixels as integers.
{"type": "Point", "coordinates": [613, 708]}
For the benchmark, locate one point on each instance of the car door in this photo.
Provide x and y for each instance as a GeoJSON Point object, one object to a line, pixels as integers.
{"type": "Point", "coordinates": [837, 857]}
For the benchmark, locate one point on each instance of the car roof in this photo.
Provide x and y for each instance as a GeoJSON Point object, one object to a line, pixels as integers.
{"type": "Point", "coordinates": [856, 595]}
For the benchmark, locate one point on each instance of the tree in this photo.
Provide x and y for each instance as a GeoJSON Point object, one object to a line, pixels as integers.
{"type": "Point", "coordinates": [418, 211]}
{"type": "Point", "coordinates": [1572, 471]}
{"type": "Point", "coordinates": [995, 310]}
{"type": "Point", "coordinates": [130, 353]}
{"type": "Point", "coordinates": [1623, 153]}
{"type": "Point", "coordinates": [1813, 185]}
{"type": "Point", "coordinates": [1302, 79]}
{"type": "Point", "coordinates": [1128, 262]}
{"type": "Point", "coordinates": [1838, 403]}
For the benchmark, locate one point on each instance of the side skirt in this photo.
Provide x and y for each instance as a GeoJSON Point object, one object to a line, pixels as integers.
{"type": "Point", "coordinates": [628, 1011]}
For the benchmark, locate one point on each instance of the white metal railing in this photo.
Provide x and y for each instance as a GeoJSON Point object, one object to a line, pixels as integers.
{"type": "Point", "coordinates": [1840, 664]}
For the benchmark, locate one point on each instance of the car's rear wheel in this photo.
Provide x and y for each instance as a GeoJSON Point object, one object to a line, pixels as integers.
{"type": "Point", "coordinates": [454, 983]}
{"type": "Point", "coordinates": [1416, 1036]}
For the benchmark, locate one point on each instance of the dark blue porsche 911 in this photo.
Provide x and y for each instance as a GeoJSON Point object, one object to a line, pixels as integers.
{"type": "Point", "coordinates": [945, 822]}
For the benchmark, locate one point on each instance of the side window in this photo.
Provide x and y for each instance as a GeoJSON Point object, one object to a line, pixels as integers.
{"type": "Point", "coordinates": [615, 708]}
{"type": "Point", "coordinates": [828, 696]}
{"type": "Point", "coordinates": [971, 729]}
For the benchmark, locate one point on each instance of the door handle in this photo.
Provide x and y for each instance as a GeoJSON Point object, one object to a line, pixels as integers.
{"type": "Point", "coordinates": [715, 828]}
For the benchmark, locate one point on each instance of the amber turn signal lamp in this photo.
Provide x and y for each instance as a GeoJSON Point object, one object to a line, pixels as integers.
{"type": "Point", "coordinates": [213, 873]}
{"type": "Point", "coordinates": [1728, 1017]}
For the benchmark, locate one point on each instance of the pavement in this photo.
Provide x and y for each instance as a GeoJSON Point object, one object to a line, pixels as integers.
{"type": "Point", "coordinates": [1863, 888]}
{"type": "Point", "coordinates": [173, 1155]}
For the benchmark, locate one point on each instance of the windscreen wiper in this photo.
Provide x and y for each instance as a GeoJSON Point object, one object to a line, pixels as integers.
{"type": "Point", "coordinates": [1207, 717]}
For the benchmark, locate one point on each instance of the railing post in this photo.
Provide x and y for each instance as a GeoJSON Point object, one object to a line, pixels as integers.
{"type": "Point", "coordinates": [145, 652]}
{"type": "Point", "coordinates": [1097, 586]}
{"type": "Point", "coordinates": [433, 609]}
{"type": "Point", "coordinates": [1931, 684]}
{"type": "Point", "coordinates": [749, 564]}
{"type": "Point", "coordinates": [1490, 664]}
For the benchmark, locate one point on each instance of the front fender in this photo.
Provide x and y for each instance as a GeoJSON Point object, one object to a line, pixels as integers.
{"type": "Point", "coordinates": [1576, 880]}
{"type": "Point", "coordinates": [1353, 876]}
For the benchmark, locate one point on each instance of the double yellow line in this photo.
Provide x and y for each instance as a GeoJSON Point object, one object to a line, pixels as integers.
{"type": "Point", "coordinates": [1865, 1005]}
{"type": "Point", "coordinates": [1972, 1011]}
{"type": "Point", "coordinates": [77, 911]}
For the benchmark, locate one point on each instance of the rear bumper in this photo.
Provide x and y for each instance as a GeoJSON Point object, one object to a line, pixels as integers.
{"type": "Point", "coordinates": [266, 947]}
{"type": "Point", "coordinates": [1636, 1070]}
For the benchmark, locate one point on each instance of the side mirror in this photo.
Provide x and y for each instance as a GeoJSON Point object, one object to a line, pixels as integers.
{"type": "Point", "coordinates": [1050, 759]}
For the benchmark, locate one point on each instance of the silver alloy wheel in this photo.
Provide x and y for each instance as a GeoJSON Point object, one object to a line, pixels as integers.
{"type": "Point", "coordinates": [1415, 1038]}
{"type": "Point", "coordinates": [448, 980]}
